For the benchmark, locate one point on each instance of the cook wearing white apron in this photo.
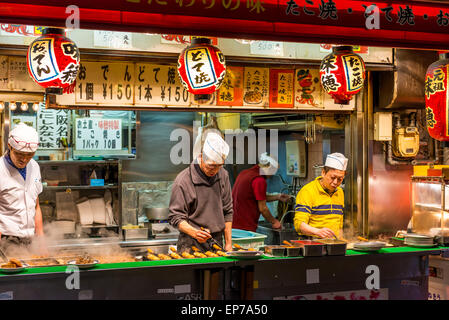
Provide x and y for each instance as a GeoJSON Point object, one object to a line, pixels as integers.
{"type": "Point", "coordinates": [20, 186]}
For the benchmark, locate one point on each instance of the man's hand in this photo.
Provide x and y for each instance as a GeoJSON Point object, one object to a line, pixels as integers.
{"type": "Point", "coordinates": [324, 233]}
{"type": "Point", "coordinates": [201, 235]}
{"type": "Point", "coordinates": [275, 224]}
{"type": "Point", "coordinates": [283, 197]}
{"type": "Point", "coordinates": [228, 247]}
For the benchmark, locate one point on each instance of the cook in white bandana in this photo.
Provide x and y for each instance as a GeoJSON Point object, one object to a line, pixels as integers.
{"type": "Point", "coordinates": [20, 186]}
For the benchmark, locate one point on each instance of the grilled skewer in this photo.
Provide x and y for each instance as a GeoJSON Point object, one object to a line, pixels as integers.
{"type": "Point", "coordinates": [210, 254]}
{"type": "Point", "coordinates": [187, 255]}
{"type": "Point", "coordinates": [164, 256]}
{"type": "Point", "coordinates": [199, 254]}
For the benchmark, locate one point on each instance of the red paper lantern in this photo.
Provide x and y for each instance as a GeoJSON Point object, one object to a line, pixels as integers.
{"type": "Point", "coordinates": [342, 74]}
{"type": "Point", "coordinates": [435, 89]}
{"type": "Point", "coordinates": [202, 68]}
{"type": "Point", "coordinates": [53, 61]}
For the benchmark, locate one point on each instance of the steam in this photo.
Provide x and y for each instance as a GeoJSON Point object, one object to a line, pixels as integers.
{"type": "Point", "coordinates": [47, 246]}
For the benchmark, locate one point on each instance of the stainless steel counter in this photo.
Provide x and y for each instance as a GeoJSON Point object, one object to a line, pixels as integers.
{"type": "Point", "coordinates": [157, 245]}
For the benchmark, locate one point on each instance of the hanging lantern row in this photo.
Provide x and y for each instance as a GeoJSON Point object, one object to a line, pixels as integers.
{"type": "Point", "coordinates": [53, 61]}
{"type": "Point", "coordinates": [202, 68]}
{"type": "Point", "coordinates": [342, 74]}
{"type": "Point", "coordinates": [435, 90]}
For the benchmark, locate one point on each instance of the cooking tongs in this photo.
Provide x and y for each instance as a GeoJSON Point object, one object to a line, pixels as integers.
{"type": "Point", "coordinates": [3, 255]}
{"type": "Point", "coordinates": [212, 242]}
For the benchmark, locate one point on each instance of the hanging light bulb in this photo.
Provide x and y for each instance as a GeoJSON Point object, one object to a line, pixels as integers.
{"type": "Point", "coordinates": [2, 105]}
{"type": "Point", "coordinates": [12, 106]}
{"type": "Point", "coordinates": [36, 106]}
{"type": "Point", "coordinates": [23, 106]}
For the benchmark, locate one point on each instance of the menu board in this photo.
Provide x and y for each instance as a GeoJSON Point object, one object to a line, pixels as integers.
{"type": "Point", "coordinates": [107, 83]}
{"type": "Point", "coordinates": [231, 90]}
{"type": "Point", "coordinates": [152, 85]}
{"type": "Point", "coordinates": [160, 85]}
{"type": "Point", "coordinates": [98, 134]}
{"type": "Point", "coordinates": [256, 87]}
{"type": "Point", "coordinates": [281, 88]}
{"type": "Point", "coordinates": [52, 126]}
{"type": "Point", "coordinates": [308, 91]}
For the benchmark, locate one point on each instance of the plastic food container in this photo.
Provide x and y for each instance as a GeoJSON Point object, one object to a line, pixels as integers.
{"type": "Point", "coordinates": [248, 239]}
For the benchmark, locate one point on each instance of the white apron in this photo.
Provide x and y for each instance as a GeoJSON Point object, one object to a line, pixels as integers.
{"type": "Point", "coordinates": [18, 199]}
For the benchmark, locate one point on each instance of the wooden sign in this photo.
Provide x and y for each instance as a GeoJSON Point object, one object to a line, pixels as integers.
{"type": "Point", "coordinates": [159, 85]}
{"type": "Point", "coordinates": [105, 83]}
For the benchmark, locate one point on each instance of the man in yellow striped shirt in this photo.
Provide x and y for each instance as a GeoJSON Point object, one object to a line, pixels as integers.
{"type": "Point", "coordinates": [320, 203]}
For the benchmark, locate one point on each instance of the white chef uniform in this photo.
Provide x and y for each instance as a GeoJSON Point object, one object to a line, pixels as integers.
{"type": "Point", "coordinates": [18, 199]}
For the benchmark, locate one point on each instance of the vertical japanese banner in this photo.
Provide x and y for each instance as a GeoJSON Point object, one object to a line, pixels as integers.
{"type": "Point", "coordinates": [281, 88]}
{"type": "Point", "coordinates": [256, 87]}
{"type": "Point", "coordinates": [159, 85]}
{"type": "Point", "coordinates": [98, 134]}
{"type": "Point", "coordinates": [52, 126]}
{"type": "Point", "coordinates": [231, 90]}
{"type": "Point", "coordinates": [109, 83]}
{"type": "Point", "coordinates": [4, 72]}
{"type": "Point", "coordinates": [308, 91]}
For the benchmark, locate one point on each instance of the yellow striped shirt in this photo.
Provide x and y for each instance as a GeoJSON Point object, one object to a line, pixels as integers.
{"type": "Point", "coordinates": [318, 209]}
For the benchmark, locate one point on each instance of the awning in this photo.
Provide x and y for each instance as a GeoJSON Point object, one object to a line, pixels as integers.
{"type": "Point", "coordinates": [414, 24]}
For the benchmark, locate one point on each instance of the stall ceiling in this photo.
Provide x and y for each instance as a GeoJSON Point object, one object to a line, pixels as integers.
{"type": "Point", "coordinates": [417, 24]}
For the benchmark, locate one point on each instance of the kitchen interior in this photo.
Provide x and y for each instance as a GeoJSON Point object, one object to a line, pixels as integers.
{"type": "Point", "coordinates": [114, 205]}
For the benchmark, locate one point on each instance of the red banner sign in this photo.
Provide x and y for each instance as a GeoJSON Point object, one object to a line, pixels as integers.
{"type": "Point", "coordinates": [387, 23]}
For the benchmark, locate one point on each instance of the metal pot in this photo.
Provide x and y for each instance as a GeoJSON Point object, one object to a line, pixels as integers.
{"type": "Point", "coordinates": [156, 213]}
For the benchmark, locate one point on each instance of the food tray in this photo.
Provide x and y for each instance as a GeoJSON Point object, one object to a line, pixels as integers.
{"type": "Point", "coordinates": [292, 251]}
{"type": "Point", "coordinates": [44, 262]}
{"type": "Point", "coordinates": [334, 247]}
{"type": "Point", "coordinates": [310, 248]}
{"type": "Point", "coordinates": [276, 251]}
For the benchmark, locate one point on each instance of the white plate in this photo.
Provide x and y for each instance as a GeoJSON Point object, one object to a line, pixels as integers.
{"type": "Point", "coordinates": [418, 237]}
{"type": "Point", "coordinates": [371, 249]}
{"type": "Point", "coordinates": [247, 255]}
{"type": "Point", "coordinates": [370, 244]}
{"type": "Point", "coordinates": [83, 265]}
{"type": "Point", "coordinates": [13, 270]}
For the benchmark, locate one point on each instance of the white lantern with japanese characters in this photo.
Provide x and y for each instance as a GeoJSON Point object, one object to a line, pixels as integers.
{"type": "Point", "coordinates": [342, 74]}
{"type": "Point", "coordinates": [202, 68]}
{"type": "Point", "coordinates": [53, 61]}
